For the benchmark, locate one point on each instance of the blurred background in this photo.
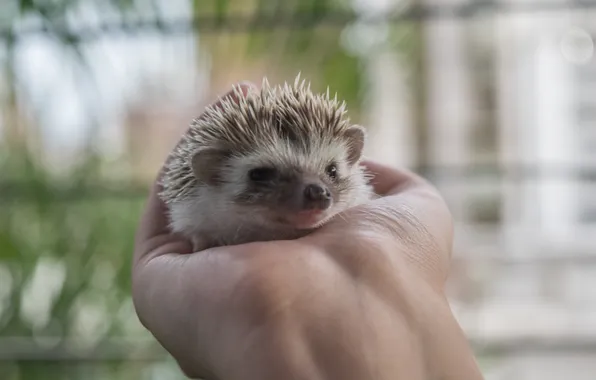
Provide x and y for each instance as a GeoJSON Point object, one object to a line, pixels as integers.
{"type": "Point", "coordinates": [493, 101]}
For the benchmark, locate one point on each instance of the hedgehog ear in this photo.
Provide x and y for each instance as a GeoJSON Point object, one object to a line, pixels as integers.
{"type": "Point", "coordinates": [355, 136]}
{"type": "Point", "coordinates": [206, 165]}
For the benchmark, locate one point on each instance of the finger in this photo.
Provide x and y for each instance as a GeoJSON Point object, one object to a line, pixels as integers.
{"type": "Point", "coordinates": [153, 231]}
{"type": "Point", "coordinates": [153, 237]}
{"type": "Point", "coordinates": [390, 180]}
{"type": "Point", "coordinates": [412, 210]}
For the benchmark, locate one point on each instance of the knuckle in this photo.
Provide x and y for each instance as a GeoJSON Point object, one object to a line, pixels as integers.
{"type": "Point", "coordinates": [260, 295]}
{"type": "Point", "coordinates": [281, 288]}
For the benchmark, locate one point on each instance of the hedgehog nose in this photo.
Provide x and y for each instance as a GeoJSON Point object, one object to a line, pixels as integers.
{"type": "Point", "coordinates": [317, 197]}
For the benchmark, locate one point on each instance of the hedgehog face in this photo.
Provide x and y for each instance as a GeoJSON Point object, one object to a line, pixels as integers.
{"type": "Point", "coordinates": [290, 195]}
{"type": "Point", "coordinates": [301, 187]}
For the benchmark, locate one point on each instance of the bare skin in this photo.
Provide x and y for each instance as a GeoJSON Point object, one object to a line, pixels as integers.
{"type": "Point", "coordinates": [361, 298]}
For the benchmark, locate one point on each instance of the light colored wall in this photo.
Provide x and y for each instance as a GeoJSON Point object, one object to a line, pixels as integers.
{"type": "Point", "coordinates": [450, 104]}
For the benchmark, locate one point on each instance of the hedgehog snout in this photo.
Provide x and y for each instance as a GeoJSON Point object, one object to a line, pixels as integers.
{"type": "Point", "coordinates": [316, 196]}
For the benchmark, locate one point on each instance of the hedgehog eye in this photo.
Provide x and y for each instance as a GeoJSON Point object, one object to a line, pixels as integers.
{"type": "Point", "coordinates": [262, 174]}
{"type": "Point", "coordinates": [331, 171]}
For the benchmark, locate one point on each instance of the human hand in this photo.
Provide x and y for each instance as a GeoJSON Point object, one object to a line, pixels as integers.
{"type": "Point", "coordinates": [361, 298]}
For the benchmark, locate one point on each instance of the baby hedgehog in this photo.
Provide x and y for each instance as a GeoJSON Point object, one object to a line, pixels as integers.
{"type": "Point", "coordinates": [273, 165]}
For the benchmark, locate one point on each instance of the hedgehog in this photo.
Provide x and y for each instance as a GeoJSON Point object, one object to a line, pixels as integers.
{"type": "Point", "coordinates": [274, 164]}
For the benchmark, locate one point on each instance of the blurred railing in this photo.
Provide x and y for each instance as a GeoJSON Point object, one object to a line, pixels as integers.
{"type": "Point", "coordinates": [278, 18]}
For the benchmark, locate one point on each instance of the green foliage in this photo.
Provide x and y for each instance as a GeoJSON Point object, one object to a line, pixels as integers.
{"type": "Point", "coordinates": [26, 5]}
{"type": "Point", "coordinates": [343, 74]}
{"type": "Point", "coordinates": [87, 239]}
